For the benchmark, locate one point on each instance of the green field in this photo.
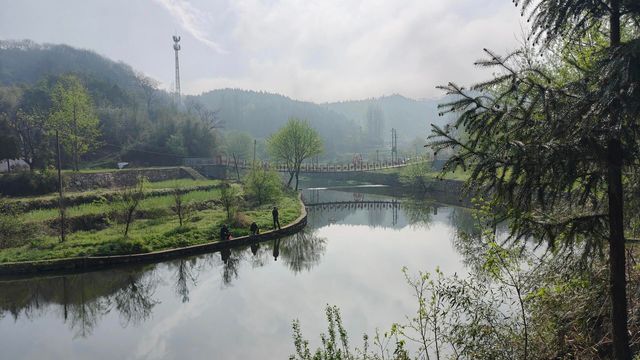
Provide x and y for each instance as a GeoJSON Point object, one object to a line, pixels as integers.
{"type": "Point", "coordinates": [157, 230]}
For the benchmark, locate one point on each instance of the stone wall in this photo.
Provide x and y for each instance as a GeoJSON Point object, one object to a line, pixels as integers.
{"type": "Point", "coordinates": [120, 178]}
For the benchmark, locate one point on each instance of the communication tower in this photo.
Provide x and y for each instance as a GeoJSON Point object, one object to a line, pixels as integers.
{"type": "Point", "coordinates": [176, 47]}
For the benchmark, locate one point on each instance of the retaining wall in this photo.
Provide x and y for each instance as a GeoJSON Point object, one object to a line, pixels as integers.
{"type": "Point", "coordinates": [120, 178]}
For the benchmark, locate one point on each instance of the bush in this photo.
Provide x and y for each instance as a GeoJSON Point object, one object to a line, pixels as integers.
{"type": "Point", "coordinates": [14, 232]}
{"type": "Point", "coordinates": [28, 183]}
{"type": "Point", "coordinates": [123, 246]}
{"type": "Point", "coordinates": [262, 185]}
{"type": "Point", "coordinates": [416, 176]}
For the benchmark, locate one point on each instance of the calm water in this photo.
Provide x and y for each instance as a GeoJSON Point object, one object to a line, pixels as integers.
{"type": "Point", "coordinates": [240, 308]}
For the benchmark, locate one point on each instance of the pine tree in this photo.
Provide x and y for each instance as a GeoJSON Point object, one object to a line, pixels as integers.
{"type": "Point", "coordinates": [548, 140]}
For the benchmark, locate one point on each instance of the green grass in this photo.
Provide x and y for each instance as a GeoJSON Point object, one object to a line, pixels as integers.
{"type": "Point", "coordinates": [171, 184]}
{"type": "Point", "coordinates": [113, 169]}
{"type": "Point", "coordinates": [151, 234]}
{"type": "Point", "coordinates": [456, 175]}
{"type": "Point", "coordinates": [104, 207]}
{"type": "Point", "coordinates": [149, 187]}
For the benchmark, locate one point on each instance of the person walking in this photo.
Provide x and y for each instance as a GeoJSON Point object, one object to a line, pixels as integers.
{"type": "Point", "coordinates": [276, 221]}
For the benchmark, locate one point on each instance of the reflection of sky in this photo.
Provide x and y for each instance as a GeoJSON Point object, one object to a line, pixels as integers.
{"type": "Point", "coordinates": [359, 271]}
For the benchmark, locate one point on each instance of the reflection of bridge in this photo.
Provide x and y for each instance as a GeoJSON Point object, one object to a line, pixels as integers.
{"type": "Point", "coordinates": [304, 168]}
{"type": "Point", "coordinates": [365, 204]}
{"type": "Point", "coordinates": [393, 205]}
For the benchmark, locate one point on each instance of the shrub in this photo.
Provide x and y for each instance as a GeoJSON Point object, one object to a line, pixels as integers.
{"type": "Point", "coordinates": [14, 232]}
{"type": "Point", "coordinates": [29, 183]}
{"type": "Point", "coordinates": [123, 246]}
{"type": "Point", "coordinates": [262, 185]}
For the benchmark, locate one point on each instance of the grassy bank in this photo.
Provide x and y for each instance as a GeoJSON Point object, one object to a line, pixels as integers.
{"type": "Point", "coordinates": [158, 229]}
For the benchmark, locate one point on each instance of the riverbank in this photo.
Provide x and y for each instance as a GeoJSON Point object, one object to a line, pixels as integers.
{"type": "Point", "coordinates": [92, 231]}
{"type": "Point", "coordinates": [86, 263]}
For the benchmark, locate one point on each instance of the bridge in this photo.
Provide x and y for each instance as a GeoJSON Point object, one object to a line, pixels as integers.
{"type": "Point", "coordinates": [305, 168]}
{"type": "Point", "coordinates": [364, 204]}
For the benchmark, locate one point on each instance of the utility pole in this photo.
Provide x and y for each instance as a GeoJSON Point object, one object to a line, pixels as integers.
{"type": "Point", "coordinates": [61, 199]}
{"type": "Point", "coordinates": [254, 152]}
{"type": "Point", "coordinates": [394, 146]}
{"type": "Point", "coordinates": [176, 47]}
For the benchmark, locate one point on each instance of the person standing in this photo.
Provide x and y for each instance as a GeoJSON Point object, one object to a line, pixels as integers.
{"type": "Point", "coordinates": [224, 233]}
{"type": "Point", "coordinates": [276, 221]}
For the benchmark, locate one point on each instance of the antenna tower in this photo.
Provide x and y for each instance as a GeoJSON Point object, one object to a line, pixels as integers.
{"type": "Point", "coordinates": [176, 47]}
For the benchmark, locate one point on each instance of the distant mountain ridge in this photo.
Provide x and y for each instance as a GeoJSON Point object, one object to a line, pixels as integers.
{"type": "Point", "coordinates": [342, 125]}
{"type": "Point", "coordinates": [410, 117]}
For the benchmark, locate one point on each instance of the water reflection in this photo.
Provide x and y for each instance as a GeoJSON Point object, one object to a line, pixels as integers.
{"type": "Point", "coordinates": [304, 252]}
{"type": "Point", "coordinates": [360, 229]}
{"type": "Point", "coordinates": [80, 301]}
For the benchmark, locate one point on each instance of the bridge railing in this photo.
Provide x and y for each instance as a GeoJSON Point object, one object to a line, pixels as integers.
{"type": "Point", "coordinates": [306, 167]}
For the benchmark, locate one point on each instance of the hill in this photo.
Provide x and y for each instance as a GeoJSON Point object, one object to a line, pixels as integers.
{"type": "Point", "coordinates": [411, 118]}
{"type": "Point", "coordinates": [261, 114]}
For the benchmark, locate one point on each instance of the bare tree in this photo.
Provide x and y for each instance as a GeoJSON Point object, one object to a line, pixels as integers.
{"type": "Point", "coordinates": [209, 117]}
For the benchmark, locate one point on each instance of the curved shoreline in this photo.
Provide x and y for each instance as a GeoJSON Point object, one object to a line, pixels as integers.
{"type": "Point", "coordinates": [89, 263]}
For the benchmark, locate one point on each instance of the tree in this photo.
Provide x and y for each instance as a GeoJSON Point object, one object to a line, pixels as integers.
{"type": "Point", "coordinates": [125, 208]}
{"type": "Point", "coordinates": [375, 125]}
{"type": "Point", "coordinates": [238, 143]}
{"type": "Point", "coordinates": [73, 115]}
{"type": "Point", "coordinates": [180, 207]}
{"type": "Point", "coordinates": [550, 146]}
{"type": "Point", "coordinates": [207, 116]}
{"type": "Point", "coordinates": [294, 143]}
{"type": "Point", "coordinates": [229, 196]}
{"type": "Point", "coordinates": [262, 184]}
{"type": "Point", "coordinates": [149, 88]}
{"type": "Point", "coordinates": [24, 111]}
{"type": "Point", "coordinates": [8, 149]}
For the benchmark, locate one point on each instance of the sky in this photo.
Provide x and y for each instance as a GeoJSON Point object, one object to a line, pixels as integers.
{"type": "Point", "coordinates": [314, 50]}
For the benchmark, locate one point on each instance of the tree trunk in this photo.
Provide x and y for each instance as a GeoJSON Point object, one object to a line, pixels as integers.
{"type": "Point", "coordinates": [8, 167]}
{"type": "Point", "coordinates": [617, 273]}
{"type": "Point", "coordinates": [291, 173]}
{"type": "Point", "coordinates": [75, 139]}
{"type": "Point", "coordinates": [235, 162]}
{"type": "Point", "coordinates": [297, 174]}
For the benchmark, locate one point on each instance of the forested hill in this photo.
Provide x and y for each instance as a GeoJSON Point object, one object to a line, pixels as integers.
{"type": "Point", "coordinates": [140, 123]}
{"type": "Point", "coordinates": [412, 118]}
{"type": "Point", "coordinates": [127, 117]}
{"type": "Point", "coordinates": [260, 114]}
{"type": "Point", "coordinates": [26, 62]}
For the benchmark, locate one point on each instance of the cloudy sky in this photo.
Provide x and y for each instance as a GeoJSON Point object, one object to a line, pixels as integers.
{"type": "Point", "coordinates": [318, 50]}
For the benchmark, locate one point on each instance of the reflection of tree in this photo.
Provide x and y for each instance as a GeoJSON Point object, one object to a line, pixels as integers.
{"type": "Point", "coordinates": [376, 215]}
{"type": "Point", "coordinates": [231, 259]}
{"type": "Point", "coordinates": [419, 212]}
{"type": "Point", "coordinates": [464, 221]}
{"type": "Point", "coordinates": [83, 299]}
{"type": "Point", "coordinates": [185, 275]}
{"type": "Point", "coordinates": [467, 238]}
{"type": "Point", "coordinates": [302, 251]}
{"type": "Point", "coordinates": [135, 301]}
{"type": "Point", "coordinates": [85, 311]}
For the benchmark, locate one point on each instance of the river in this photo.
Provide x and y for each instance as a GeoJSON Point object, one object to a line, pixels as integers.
{"type": "Point", "coordinates": [350, 255]}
